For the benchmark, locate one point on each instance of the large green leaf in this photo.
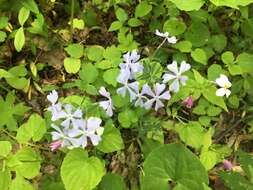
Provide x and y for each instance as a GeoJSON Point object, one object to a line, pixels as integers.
{"type": "Point", "coordinates": [231, 3]}
{"type": "Point", "coordinates": [80, 172]}
{"type": "Point", "coordinates": [34, 129]}
{"type": "Point", "coordinates": [19, 183]}
{"type": "Point", "coordinates": [111, 139]}
{"type": "Point", "coordinates": [176, 164]}
{"type": "Point", "coordinates": [27, 162]}
{"type": "Point", "coordinates": [5, 179]}
{"type": "Point", "coordinates": [188, 5]}
{"type": "Point", "coordinates": [112, 181]}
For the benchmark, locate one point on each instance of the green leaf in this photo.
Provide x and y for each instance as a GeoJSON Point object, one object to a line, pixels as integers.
{"type": "Point", "coordinates": [5, 179]}
{"type": "Point", "coordinates": [38, 26]}
{"type": "Point", "coordinates": [174, 163]}
{"type": "Point", "coordinates": [23, 15]}
{"type": "Point", "coordinates": [95, 53]}
{"type": "Point", "coordinates": [121, 14]}
{"type": "Point", "coordinates": [127, 117]}
{"type": "Point", "coordinates": [72, 65]}
{"type": "Point", "coordinates": [219, 42]}
{"type": "Point", "coordinates": [184, 46]}
{"type": "Point", "coordinates": [116, 25]}
{"type": "Point", "coordinates": [88, 73]}
{"type": "Point", "coordinates": [19, 40]}
{"type": "Point", "coordinates": [142, 9]}
{"type": "Point", "coordinates": [5, 148]}
{"type": "Point", "coordinates": [231, 3]}
{"type": "Point", "coordinates": [28, 162]}
{"type": "Point", "coordinates": [2, 36]}
{"type": "Point", "coordinates": [210, 94]}
{"type": "Point", "coordinates": [112, 181]}
{"type": "Point", "coordinates": [17, 81]}
{"type": "Point", "coordinates": [244, 60]}
{"type": "Point", "coordinates": [78, 23]}
{"type": "Point", "coordinates": [3, 22]}
{"type": "Point", "coordinates": [19, 183]}
{"type": "Point", "coordinates": [111, 139]}
{"type": "Point", "coordinates": [30, 5]}
{"type": "Point", "coordinates": [208, 159]}
{"type": "Point", "coordinates": [110, 76]}
{"type": "Point", "coordinates": [214, 72]}
{"type": "Point", "coordinates": [227, 57]}
{"type": "Point", "coordinates": [174, 26]}
{"type": "Point", "coordinates": [192, 134]}
{"type": "Point", "coordinates": [198, 34]}
{"type": "Point", "coordinates": [78, 171]}
{"type": "Point", "coordinates": [75, 50]}
{"type": "Point", "coordinates": [199, 55]}
{"type": "Point", "coordinates": [188, 5]}
{"type": "Point", "coordinates": [34, 129]}
{"type": "Point", "coordinates": [134, 22]}
{"type": "Point", "coordinates": [5, 74]}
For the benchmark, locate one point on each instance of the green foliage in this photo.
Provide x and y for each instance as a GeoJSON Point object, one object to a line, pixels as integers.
{"type": "Point", "coordinates": [78, 47]}
{"type": "Point", "coordinates": [78, 171]}
{"type": "Point", "coordinates": [173, 162]}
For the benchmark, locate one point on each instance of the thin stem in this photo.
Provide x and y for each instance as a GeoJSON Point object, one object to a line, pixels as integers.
{"type": "Point", "coordinates": [159, 47]}
{"type": "Point", "coordinates": [71, 18]}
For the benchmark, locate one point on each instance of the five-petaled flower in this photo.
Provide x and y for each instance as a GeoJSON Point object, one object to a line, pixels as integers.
{"type": "Point", "coordinates": [225, 84]}
{"type": "Point", "coordinates": [157, 95]}
{"type": "Point", "coordinates": [127, 87]}
{"type": "Point", "coordinates": [166, 35]}
{"type": "Point", "coordinates": [131, 64]}
{"type": "Point", "coordinates": [176, 75]}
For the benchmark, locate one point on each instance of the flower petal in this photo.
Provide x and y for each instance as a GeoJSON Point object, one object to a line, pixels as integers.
{"type": "Point", "coordinates": [174, 86]}
{"type": "Point", "coordinates": [165, 96]}
{"type": "Point", "coordinates": [173, 67]}
{"type": "Point", "coordinates": [172, 39]}
{"type": "Point", "coordinates": [53, 97]}
{"type": "Point", "coordinates": [147, 90]}
{"type": "Point", "coordinates": [184, 67]}
{"type": "Point", "coordinates": [167, 77]}
{"type": "Point", "coordinates": [158, 104]}
{"type": "Point", "coordinates": [221, 92]}
{"type": "Point", "coordinates": [159, 88]}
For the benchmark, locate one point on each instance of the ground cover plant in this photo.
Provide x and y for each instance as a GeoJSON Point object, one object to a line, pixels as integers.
{"type": "Point", "coordinates": [126, 94]}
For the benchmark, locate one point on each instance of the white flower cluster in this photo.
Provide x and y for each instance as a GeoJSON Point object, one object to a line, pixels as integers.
{"type": "Point", "coordinates": [146, 97]}
{"type": "Point", "coordinates": [74, 131]}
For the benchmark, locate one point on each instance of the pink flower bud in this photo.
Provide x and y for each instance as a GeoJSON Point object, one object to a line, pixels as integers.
{"type": "Point", "coordinates": [55, 145]}
{"type": "Point", "coordinates": [188, 102]}
{"type": "Point", "coordinates": [227, 165]}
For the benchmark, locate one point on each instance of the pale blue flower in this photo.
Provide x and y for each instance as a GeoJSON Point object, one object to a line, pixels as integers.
{"type": "Point", "coordinates": [157, 95]}
{"type": "Point", "coordinates": [127, 87]}
{"type": "Point", "coordinates": [176, 75]}
{"type": "Point", "coordinates": [73, 118]}
{"type": "Point", "coordinates": [131, 64]}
